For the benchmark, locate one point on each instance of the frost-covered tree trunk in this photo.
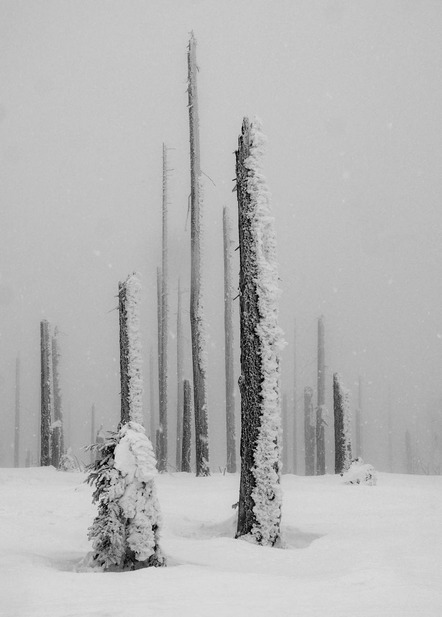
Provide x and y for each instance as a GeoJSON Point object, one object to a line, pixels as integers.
{"type": "Point", "coordinates": [285, 434]}
{"type": "Point", "coordinates": [164, 318]}
{"type": "Point", "coordinates": [228, 343]}
{"type": "Point", "coordinates": [57, 432]}
{"type": "Point", "coordinates": [187, 426]}
{"type": "Point", "coordinates": [180, 379]}
{"type": "Point", "coordinates": [125, 533]}
{"type": "Point", "coordinates": [162, 420]}
{"type": "Point", "coordinates": [358, 450]}
{"type": "Point", "coordinates": [197, 319]}
{"type": "Point", "coordinates": [309, 432]}
{"type": "Point", "coordinates": [17, 414]}
{"type": "Point", "coordinates": [46, 395]}
{"type": "Point", "coordinates": [320, 411]}
{"type": "Point", "coordinates": [342, 416]}
{"type": "Point", "coordinates": [259, 510]}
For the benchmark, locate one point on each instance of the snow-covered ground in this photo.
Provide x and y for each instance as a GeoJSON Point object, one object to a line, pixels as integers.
{"type": "Point", "coordinates": [354, 551]}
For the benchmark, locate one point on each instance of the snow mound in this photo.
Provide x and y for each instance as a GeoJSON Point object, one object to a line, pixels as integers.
{"type": "Point", "coordinates": [360, 473]}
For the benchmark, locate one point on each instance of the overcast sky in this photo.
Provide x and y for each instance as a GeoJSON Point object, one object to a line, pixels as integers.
{"type": "Point", "coordinates": [349, 93]}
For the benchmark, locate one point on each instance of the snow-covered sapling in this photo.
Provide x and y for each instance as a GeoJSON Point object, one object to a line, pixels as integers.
{"type": "Point", "coordinates": [360, 473]}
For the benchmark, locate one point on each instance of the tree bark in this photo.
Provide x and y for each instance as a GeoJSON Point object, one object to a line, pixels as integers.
{"type": "Point", "coordinates": [124, 350]}
{"type": "Point", "coordinates": [46, 396]}
{"type": "Point", "coordinates": [162, 443]}
{"type": "Point", "coordinates": [187, 423]}
{"type": "Point", "coordinates": [164, 318]}
{"type": "Point", "coordinates": [342, 428]}
{"type": "Point", "coordinates": [320, 423]}
{"type": "Point", "coordinates": [285, 434]}
{"type": "Point", "coordinates": [196, 300]}
{"type": "Point", "coordinates": [180, 379]}
{"type": "Point", "coordinates": [309, 432]}
{"type": "Point", "coordinates": [57, 433]}
{"type": "Point", "coordinates": [228, 343]}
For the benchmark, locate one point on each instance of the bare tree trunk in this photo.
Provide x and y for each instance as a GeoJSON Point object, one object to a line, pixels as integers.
{"type": "Point", "coordinates": [320, 424]}
{"type": "Point", "coordinates": [46, 396]}
{"type": "Point", "coordinates": [124, 368]}
{"type": "Point", "coordinates": [180, 379]}
{"type": "Point", "coordinates": [162, 419]}
{"type": "Point", "coordinates": [164, 318]}
{"type": "Point", "coordinates": [259, 508]}
{"type": "Point", "coordinates": [358, 422]}
{"type": "Point", "coordinates": [197, 318]}
{"type": "Point", "coordinates": [93, 432]}
{"type": "Point", "coordinates": [17, 414]}
{"type": "Point", "coordinates": [187, 426]}
{"type": "Point", "coordinates": [295, 404]}
{"type": "Point", "coordinates": [342, 426]}
{"type": "Point", "coordinates": [57, 433]}
{"type": "Point", "coordinates": [228, 342]}
{"type": "Point", "coordinates": [309, 432]}
{"type": "Point", "coordinates": [152, 414]}
{"type": "Point", "coordinates": [285, 434]}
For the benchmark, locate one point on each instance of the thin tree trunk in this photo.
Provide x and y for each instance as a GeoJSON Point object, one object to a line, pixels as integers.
{"type": "Point", "coordinates": [152, 414]}
{"type": "Point", "coordinates": [162, 452]}
{"type": "Point", "coordinates": [46, 396]}
{"type": "Point", "coordinates": [164, 318]}
{"type": "Point", "coordinates": [309, 432]}
{"type": "Point", "coordinates": [187, 424]}
{"type": "Point", "coordinates": [320, 424]}
{"type": "Point", "coordinates": [259, 508]}
{"type": "Point", "coordinates": [57, 434]}
{"type": "Point", "coordinates": [197, 318]}
{"type": "Point", "coordinates": [285, 434]}
{"type": "Point", "coordinates": [180, 379]}
{"type": "Point", "coordinates": [17, 414]}
{"type": "Point", "coordinates": [390, 432]}
{"type": "Point", "coordinates": [295, 404]}
{"type": "Point", "coordinates": [228, 342]}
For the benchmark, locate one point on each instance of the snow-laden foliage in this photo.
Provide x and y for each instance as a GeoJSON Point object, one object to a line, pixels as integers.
{"type": "Point", "coordinates": [133, 292]}
{"type": "Point", "coordinates": [345, 437]}
{"type": "Point", "coordinates": [360, 473]}
{"type": "Point", "coordinates": [125, 532]}
{"type": "Point", "coordinates": [267, 493]}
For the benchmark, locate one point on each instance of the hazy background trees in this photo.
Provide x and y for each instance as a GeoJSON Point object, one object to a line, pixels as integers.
{"type": "Point", "coordinates": [350, 97]}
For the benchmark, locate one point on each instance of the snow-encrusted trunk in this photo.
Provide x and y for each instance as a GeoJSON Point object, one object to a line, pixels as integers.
{"type": "Point", "coordinates": [309, 432]}
{"type": "Point", "coordinates": [17, 414]}
{"type": "Point", "coordinates": [342, 417]}
{"type": "Point", "coordinates": [125, 533]}
{"type": "Point", "coordinates": [161, 445]}
{"type": "Point", "coordinates": [187, 426]}
{"type": "Point", "coordinates": [259, 510]}
{"type": "Point", "coordinates": [197, 319]}
{"type": "Point", "coordinates": [320, 410]}
{"type": "Point", "coordinates": [228, 343]}
{"type": "Point", "coordinates": [180, 379]}
{"type": "Point", "coordinates": [57, 432]}
{"type": "Point", "coordinates": [46, 395]}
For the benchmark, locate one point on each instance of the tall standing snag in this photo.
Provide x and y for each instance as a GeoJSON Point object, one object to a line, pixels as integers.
{"type": "Point", "coordinates": [164, 318]}
{"type": "Point", "coordinates": [259, 510]}
{"type": "Point", "coordinates": [342, 415]}
{"type": "Point", "coordinates": [228, 343]}
{"type": "Point", "coordinates": [125, 533]}
{"type": "Point", "coordinates": [57, 431]}
{"type": "Point", "coordinates": [320, 410]}
{"type": "Point", "coordinates": [46, 395]}
{"type": "Point", "coordinates": [180, 378]}
{"type": "Point", "coordinates": [199, 353]}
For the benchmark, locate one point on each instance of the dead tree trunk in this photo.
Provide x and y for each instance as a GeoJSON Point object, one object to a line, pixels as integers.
{"type": "Point", "coordinates": [187, 426]}
{"type": "Point", "coordinates": [180, 379]}
{"type": "Point", "coordinates": [228, 344]}
{"type": "Point", "coordinates": [17, 414]}
{"type": "Point", "coordinates": [46, 396]}
{"type": "Point", "coordinates": [197, 318]}
{"type": "Point", "coordinates": [295, 405]}
{"type": "Point", "coordinates": [320, 411]}
{"type": "Point", "coordinates": [57, 433]}
{"type": "Point", "coordinates": [164, 318]}
{"type": "Point", "coordinates": [341, 409]}
{"type": "Point", "coordinates": [162, 427]}
{"type": "Point", "coordinates": [259, 510]}
{"type": "Point", "coordinates": [285, 435]}
{"type": "Point", "coordinates": [309, 432]}
{"type": "Point", "coordinates": [130, 351]}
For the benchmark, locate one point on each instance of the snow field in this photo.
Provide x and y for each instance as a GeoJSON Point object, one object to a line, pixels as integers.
{"type": "Point", "coordinates": [351, 550]}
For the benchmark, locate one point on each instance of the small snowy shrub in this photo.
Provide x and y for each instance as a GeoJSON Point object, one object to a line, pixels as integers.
{"type": "Point", "coordinates": [69, 462]}
{"type": "Point", "coordinates": [125, 532]}
{"type": "Point", "coordinates": [360, 473]}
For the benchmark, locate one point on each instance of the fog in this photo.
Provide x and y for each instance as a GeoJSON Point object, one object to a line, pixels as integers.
{"type": "Point", "coordinates": [349, 94]}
